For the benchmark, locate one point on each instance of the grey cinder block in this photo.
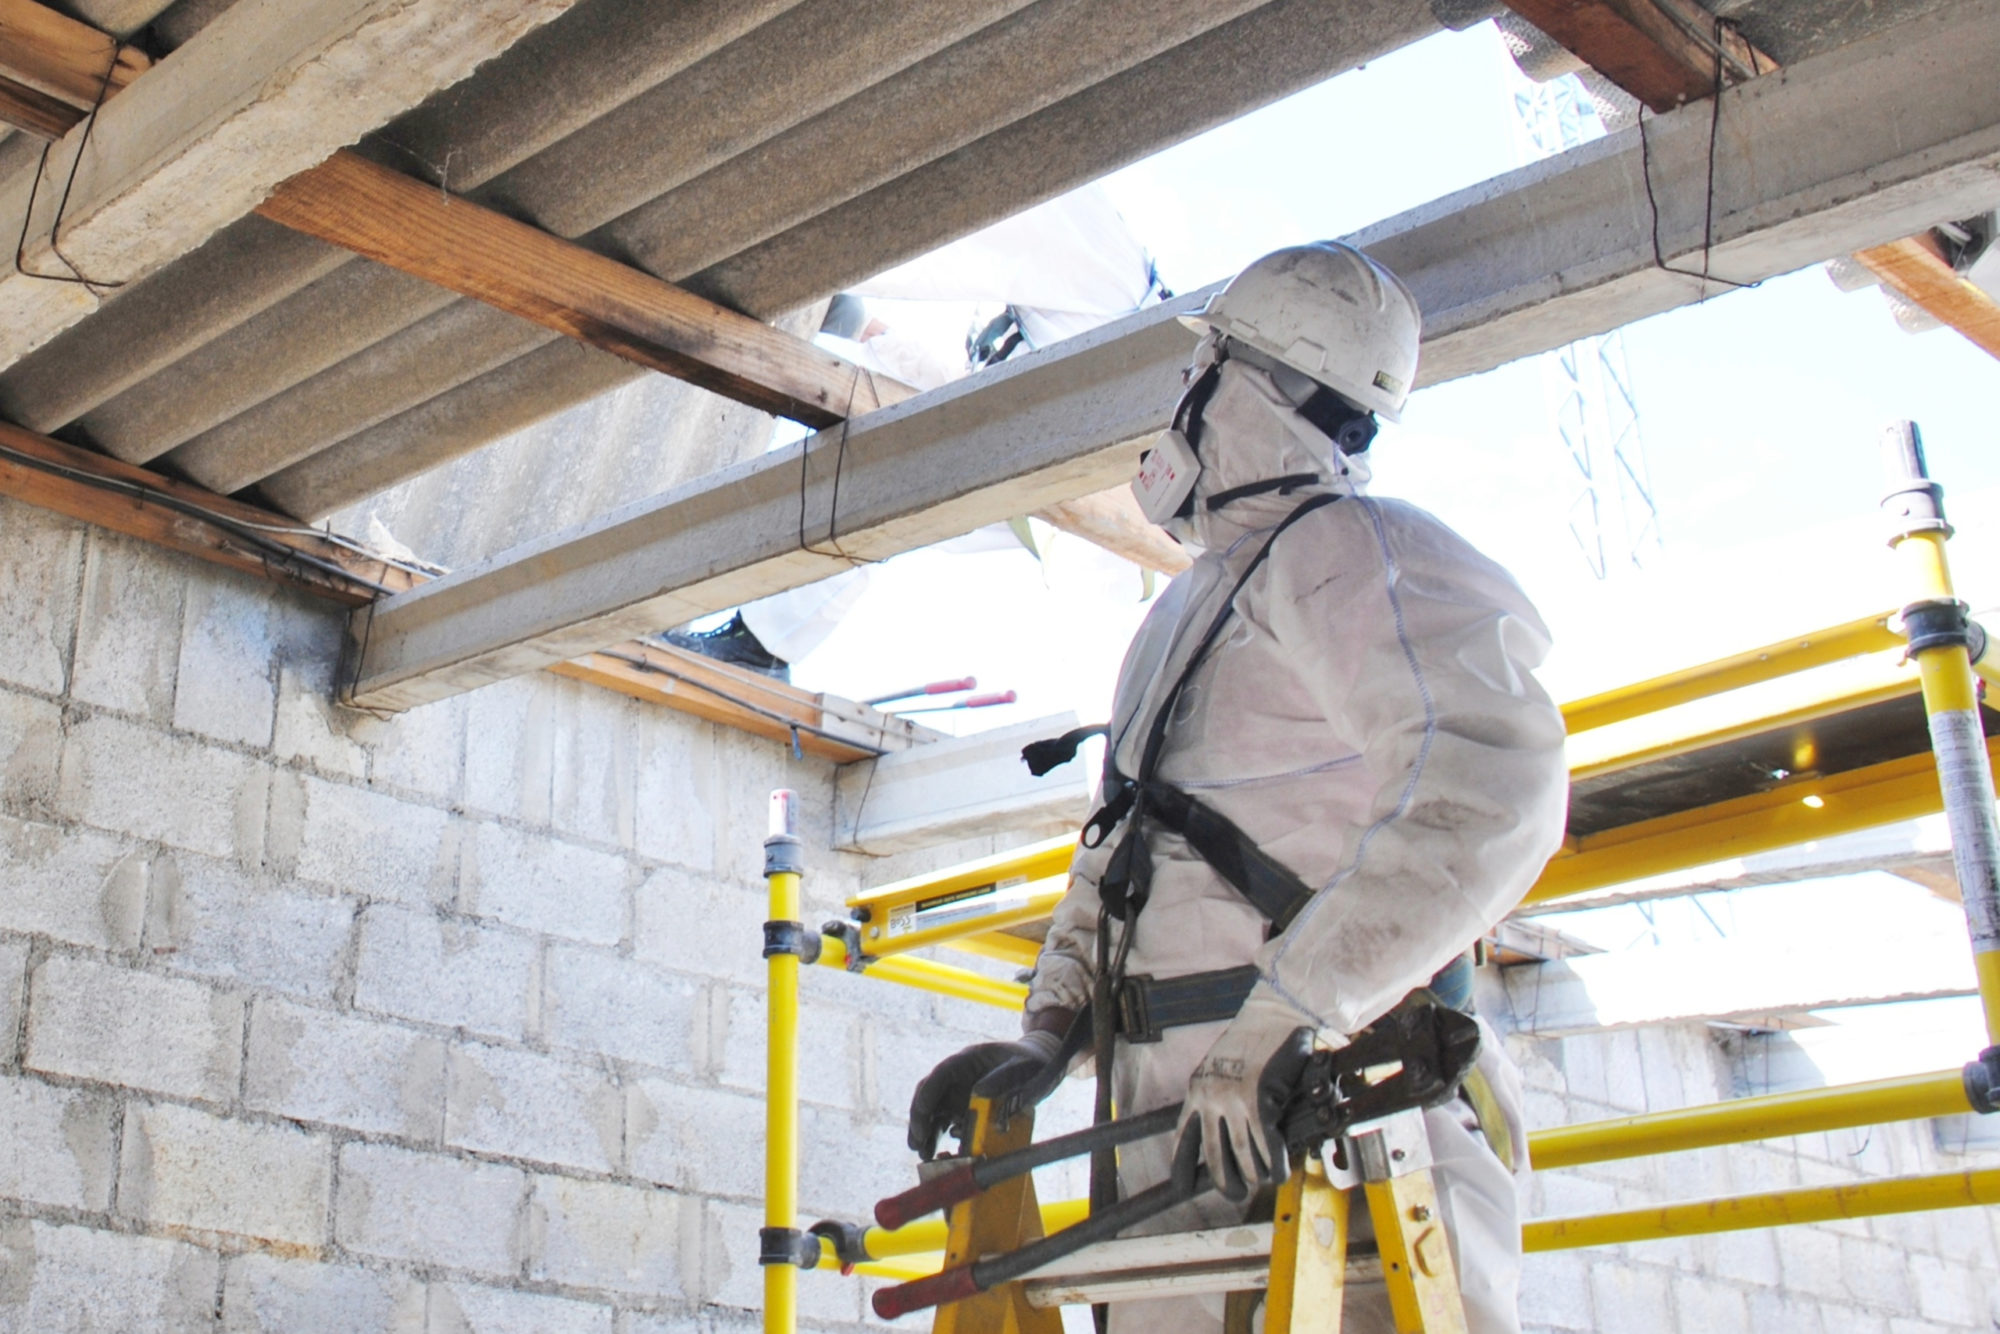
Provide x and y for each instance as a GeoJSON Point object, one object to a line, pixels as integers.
{"type": "Point", "coordinates": [450, 972]}
{"type": "Point", "coordinates": [185, 1168]}
{"type": "Point", "coordinates": [429, 1209]}
{"type": "Point", "coordinates": [117, 1026]}
{"type": "Point", "coordinates": [316, 1066]}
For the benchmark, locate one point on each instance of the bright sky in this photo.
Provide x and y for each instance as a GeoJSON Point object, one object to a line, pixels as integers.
{"type": "Point", "coordinates": [1760, 412]}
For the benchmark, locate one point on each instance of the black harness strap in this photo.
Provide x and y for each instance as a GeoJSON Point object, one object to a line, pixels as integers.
{"type": "Point", "coordinates": [1270, 886]}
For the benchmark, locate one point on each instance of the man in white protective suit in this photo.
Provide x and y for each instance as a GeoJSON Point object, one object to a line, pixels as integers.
{"type": "Point", "coordinates": [1339, 695]}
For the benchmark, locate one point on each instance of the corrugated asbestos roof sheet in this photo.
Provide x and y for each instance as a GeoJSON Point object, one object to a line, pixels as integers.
{"type": "Point", "coordinates": [761, 152]}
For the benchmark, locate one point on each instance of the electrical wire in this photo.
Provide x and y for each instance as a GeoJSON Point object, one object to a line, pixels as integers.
{"type": "Point", "coordinates": [248, 530]}
{"type": "Point", "coordinates": [62, 205]}
{"type": "Point", "coordinates": [1708, 209]}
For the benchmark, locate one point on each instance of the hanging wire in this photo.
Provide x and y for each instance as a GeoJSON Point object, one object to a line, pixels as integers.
{"type": "Point", "coordinates": [96, 287]}
{"type": "Point", "coordinates": [1708, 208]}
{"type": "Point", "coordinates": [839, 465]}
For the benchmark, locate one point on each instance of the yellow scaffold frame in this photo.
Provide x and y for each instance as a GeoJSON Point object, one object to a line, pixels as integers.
{"type": "Point", "coordinates": [974, 909]}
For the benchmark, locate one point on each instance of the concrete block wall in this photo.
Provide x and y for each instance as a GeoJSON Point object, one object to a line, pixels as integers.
{"type": "Point", "coordinates": [1924, 1273]}
{"type": "Point", "coordinates": [450, 1022]}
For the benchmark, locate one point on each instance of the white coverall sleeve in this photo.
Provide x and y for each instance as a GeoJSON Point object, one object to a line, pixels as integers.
{"type": "Point", "coordinates": [1067, 964]}
{"type": "Point", "coordinates": [1419, 651]}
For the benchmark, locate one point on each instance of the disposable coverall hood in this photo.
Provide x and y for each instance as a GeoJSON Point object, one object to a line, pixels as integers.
{"type": "Point", "coordinates": [1252, 433]}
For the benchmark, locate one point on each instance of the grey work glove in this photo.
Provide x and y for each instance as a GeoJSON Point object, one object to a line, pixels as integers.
{"type": "Point", "coordinates": [987, 1069]}
{"type": "Point", "coordinates": [1237, 1095]}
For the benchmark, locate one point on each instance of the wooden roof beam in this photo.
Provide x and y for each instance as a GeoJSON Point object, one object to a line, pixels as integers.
{"type": "Point", "coordinates": [399, 221]}
{"type": "Point", "coordinates": [186, 518]}
{"type": "Point", "coordinates": [54, 70]}
{"type": "Point", "coordinates": [1916, 268]}
{"type": "Point", "coordinates": [182, 517]}
{"type": "Point", "coordinates": [1663, 52]}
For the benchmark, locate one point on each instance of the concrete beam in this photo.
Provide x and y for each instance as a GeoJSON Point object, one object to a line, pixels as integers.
{"type": "Point", "coordinates": [1732, 981]}
{"type": "Point", "coordinates": [956, 789]}
{"type": "Point", "coordinates": [260, 94]}
{"type": "Point", "coordinates": [1031, 432]}
{"type": "Point", "coordinates": [1822, 159]}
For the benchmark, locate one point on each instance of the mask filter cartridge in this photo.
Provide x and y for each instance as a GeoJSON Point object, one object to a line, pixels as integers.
{"type": "Point", "coordinates": [1166, 477]}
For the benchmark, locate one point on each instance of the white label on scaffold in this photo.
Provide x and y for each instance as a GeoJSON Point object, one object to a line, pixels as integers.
{"type": "Point", "coordinates": [1959, 743]}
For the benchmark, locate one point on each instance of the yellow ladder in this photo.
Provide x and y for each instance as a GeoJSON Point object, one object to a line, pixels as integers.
{"type": "Point", "coordinates": [1297, 1267]}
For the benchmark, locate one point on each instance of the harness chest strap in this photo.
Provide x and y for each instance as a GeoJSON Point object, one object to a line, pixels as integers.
{"type": "Point", "coordinates": [1269, 885]}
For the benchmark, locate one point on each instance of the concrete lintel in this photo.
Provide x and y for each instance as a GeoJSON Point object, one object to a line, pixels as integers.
{"type": "Point", "coordinates": [1821, 159]}
{"type": "Point", "coordinates": [1063, 423]}
{"type": "Point", "coordinates": [1732, 981]}
{"type": "Point", "coordinates": [262, 93]}
{"type": "Point", "coordinates": [957, 789]}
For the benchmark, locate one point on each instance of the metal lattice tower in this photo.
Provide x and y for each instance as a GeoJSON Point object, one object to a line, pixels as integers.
{"type": "Point", "coordinates": [1613, 517]}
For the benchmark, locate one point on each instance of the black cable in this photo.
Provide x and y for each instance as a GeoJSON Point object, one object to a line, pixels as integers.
{"type": "Point", "coordinates": [1708, 210]}
{"type": "Point", "coordinates": [646, 665]}
{"type": "Point", "coordinates": [245, 531]}
{"type": "Point", "coordinates": [69, 183]}
{"type": "Point", "coordinates": [839, 465]}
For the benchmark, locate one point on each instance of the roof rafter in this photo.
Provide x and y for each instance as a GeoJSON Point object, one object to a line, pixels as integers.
{"type": "Point", "coordinates": [54, 69]}
{"type": "Point", "coordinates": [402, 222]}
{"type": "Point", "coordinates": [1916, 267]}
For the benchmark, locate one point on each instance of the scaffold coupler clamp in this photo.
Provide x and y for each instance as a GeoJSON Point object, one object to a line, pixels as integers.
{"type": "Point", "coordinates": [849, 935]}
{"type": "Point", "coordinates": [1982, 1082]}
{"type": "Point", "coordinates": [849, 1241]}
{"type": "Point", "coordinates": [789, 1246]}
{"type": "Point", "coordinates": [785, 855]}
{"type": "Point", "coordinates": [1942, 623]}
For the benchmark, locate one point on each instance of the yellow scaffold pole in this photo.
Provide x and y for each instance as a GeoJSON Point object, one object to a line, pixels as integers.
{"type": "Point", "coordinates": [783, 1248]}
{"type": "Point", "coordinates": [1941, 641]}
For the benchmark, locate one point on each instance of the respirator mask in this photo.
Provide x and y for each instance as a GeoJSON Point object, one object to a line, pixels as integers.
{"type": "Point", "coordinates": [1165, 484]}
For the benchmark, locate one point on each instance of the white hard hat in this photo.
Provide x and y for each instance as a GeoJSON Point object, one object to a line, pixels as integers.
{"type": "Point", "coordinates": [1330, 312]}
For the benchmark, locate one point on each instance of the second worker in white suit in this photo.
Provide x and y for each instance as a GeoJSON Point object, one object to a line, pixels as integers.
{"type": "Point", "coordinates": [1340, 692]}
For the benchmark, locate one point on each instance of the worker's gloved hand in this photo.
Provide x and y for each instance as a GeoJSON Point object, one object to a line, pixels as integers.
{"type": "Point", "coordinates": [1236, 1096]}
{"type": "Point", "coordinates": [988, 1069]}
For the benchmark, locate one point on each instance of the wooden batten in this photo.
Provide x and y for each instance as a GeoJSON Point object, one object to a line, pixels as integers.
{"type": "Point", "coordinates": [406, 224]}
{"type": "Point", "coordinates": [130, 500]}
{"type": "Point", "coordinates": [53, 69]}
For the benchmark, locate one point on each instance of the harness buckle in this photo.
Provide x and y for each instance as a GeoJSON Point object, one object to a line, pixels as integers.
{"type": "Point", "coordinates": [1135, 1010]}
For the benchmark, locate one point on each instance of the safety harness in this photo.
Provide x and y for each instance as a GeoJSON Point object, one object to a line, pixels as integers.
{"type": "Point", "coordinates": [1141, 1008]}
